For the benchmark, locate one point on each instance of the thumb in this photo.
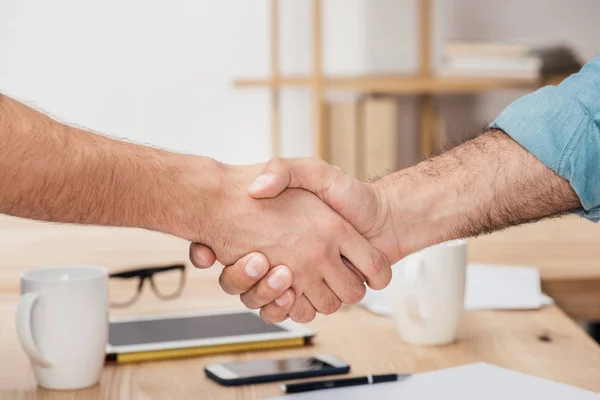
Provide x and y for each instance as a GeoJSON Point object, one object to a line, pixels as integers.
{"type": "Point", "coordinates": [311, 174]}
{"type": "Point", "coordinates": [353, 200]}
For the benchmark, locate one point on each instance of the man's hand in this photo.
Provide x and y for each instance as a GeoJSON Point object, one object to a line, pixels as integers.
{"type": "Point", "coordinates": [363, 205]}
{"type": "Point", "coordinates": [297, 230]}
{"type": "Point", "coordinates": [245, 274]}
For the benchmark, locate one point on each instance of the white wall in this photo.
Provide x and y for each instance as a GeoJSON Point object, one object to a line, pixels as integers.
{"type": "Point", "coordinates": [160, 72]}
{"type": "Point", "coordinates": [152, 71]}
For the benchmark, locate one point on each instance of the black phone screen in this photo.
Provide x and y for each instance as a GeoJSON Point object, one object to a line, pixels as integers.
{"type": "Point", "coordinates": [250, 369]}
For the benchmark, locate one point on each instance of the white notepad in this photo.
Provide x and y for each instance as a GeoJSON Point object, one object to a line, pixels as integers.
{"type": "Point", "coordinates": [468, 382]}
{"type": "Point", "coordinates": [505, 287]}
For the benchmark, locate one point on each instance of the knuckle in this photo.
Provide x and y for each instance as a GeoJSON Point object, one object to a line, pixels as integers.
{"type": "Point", "coordinates": [316, 161]}
{"type": "Point", "coordinates": [264, 294]}
{"type": "Point", "coordinates": [265, 315]}
{"type": "Point", "coordinates": [355, 292]}
{"type": "Point", "coordinates": [276, 163]}
{"type": "Point", "coordinates": [317, 252]}
{"type": "Point", "coordinates": [225, 283]}
{"type": "Point", "coordinates": [335, 224]}
{"type": "Point", "coordinates": [319, 164]}
{"type": "Point", "coordinates": [378, 267]}
{"type": "Point", "coordinates": [298, 314]}
{"type": "Point", "coordinates": [257, 298]}
{"type": "Point", "coordinates": [323, 168]}
{"type": "Point", "coordinates": [249, 301]}
{"type": "Point", "coordinates": [309, 316]}
{"type": "Point", "coordinates": [272, 314]}
{"type": "Point", "coordinates": [330, 305]}
{"type": "Point", "coordinates": [302, 314]}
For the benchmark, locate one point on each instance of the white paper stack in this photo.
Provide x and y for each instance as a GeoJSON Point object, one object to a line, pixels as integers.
{"type": "Point", "coordinates": [503, 287]}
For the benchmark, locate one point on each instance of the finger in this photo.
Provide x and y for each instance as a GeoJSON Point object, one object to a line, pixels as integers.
{"type": "Point", "coordinates": [278, 310]}
{"type": "Point", "coordinates": [372, 263]}
{"type": "Point", "coordinates": [201, 256]}
{"type": "Point", "coordinates": [244, 274]}
{"type": "Point", "coordinates": [345, 283]}
{"type": "Point", "coordinates": [323, 299]}
{"type": "Point", "coordinates": [268, 289]}
{"type": "Point", "coordinates": [353, 268]}
{"type": "Point", "coordinates": [302, 311]}
{"type": "Point", "coordinates": [312, 174]}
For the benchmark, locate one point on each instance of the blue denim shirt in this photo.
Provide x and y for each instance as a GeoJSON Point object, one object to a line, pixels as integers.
{"type": "Point", "coordinates": [560, 125]}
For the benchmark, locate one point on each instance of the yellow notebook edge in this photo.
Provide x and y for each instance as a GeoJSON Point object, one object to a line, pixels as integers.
{"type": "Point", "coordinates": [122, 358]}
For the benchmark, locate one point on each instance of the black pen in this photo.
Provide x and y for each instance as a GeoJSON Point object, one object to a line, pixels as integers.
{"type": "Point", "coordinates": [339, 383]}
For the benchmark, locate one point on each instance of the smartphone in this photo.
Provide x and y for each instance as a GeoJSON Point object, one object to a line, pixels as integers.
{"type": "Point", "coordinates": [262, 371]}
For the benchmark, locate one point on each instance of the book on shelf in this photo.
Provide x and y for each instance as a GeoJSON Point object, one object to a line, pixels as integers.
{"type": "Point", "coordinates": [525, 63]}
{"type": "Point", "coordinates": [512, 73]}
{"type": "Point", "coordinates": [469, 48]}
{"type": "Point", "coordinates": [506, 60]}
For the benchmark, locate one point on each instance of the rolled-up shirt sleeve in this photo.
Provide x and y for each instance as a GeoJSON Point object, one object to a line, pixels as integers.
{"type": "Point", "coordinates": [560, 126]}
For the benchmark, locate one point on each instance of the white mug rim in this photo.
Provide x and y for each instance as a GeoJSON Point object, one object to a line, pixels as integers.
{"type": "Point", "coordinates": [94, 272]}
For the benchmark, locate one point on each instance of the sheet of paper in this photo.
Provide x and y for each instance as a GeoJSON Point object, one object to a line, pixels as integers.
{"type": "Point", "coordinates": [502, 287]}
{"type": "Point", "coordinates": [467, 382]}
{"type": "Point", "coordinates": [506, 287]}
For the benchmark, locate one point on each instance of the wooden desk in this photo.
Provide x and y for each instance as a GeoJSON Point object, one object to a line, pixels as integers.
{"type": "Point", "coordinates": [516, 340]}
{"type": "Point", "coordinates": [545, 343]}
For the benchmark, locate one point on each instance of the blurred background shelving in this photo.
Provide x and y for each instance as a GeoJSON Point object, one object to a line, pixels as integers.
{"type": "Point", "coordinates": [425, 84]}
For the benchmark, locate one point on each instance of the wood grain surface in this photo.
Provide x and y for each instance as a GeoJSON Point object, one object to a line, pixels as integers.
{"type": "Point", "coordinates": [544, 343]}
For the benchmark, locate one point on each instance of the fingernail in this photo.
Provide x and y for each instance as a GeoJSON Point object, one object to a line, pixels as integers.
{"type": "Point", "coordinates": [282, 300]}
{"type": "Point", "coordinates": [254, 267]}
{"type": "Point", "coordinates": [261, 182]}
{"type": "Point", "coordinates": [278, 279]}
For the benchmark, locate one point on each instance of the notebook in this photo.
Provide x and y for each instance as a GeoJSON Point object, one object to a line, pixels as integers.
{"type": "Point", "coordinates": [467, 382]}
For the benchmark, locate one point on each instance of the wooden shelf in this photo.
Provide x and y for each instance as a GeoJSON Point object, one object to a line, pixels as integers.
{"type": "Point", "coordinates": [273, 83]}
{"type": "Point", "coordinates": [397, 84]}
{"type": "Point", "coordinates": [424, 84]}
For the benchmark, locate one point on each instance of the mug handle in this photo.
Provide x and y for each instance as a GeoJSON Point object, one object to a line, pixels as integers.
{"type": "Point", "coordinates": [23, 323]}
{"type": "Point", "coordinates": [414, 276]}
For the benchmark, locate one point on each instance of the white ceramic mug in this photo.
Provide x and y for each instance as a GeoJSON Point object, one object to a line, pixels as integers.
{"type": "Point", "coordinates": [429, 291]}
{"type": "Point", "coordinates": [62, 323]}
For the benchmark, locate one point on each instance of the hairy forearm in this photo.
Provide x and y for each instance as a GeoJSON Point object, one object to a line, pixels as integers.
{"type": "Point", "coordinates": [53, 172]}
{"type": "Point", "coordinates": [485, 184]}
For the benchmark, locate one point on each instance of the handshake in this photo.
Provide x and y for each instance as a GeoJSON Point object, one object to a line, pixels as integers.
{"type": "Point", "coordinates": [301, 237]}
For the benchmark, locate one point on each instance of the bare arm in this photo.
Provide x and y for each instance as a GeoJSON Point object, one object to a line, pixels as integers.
{"type": "Point", "coordinates": [483, 185]}
{"type": "Point", "coordinates": [53, 172]}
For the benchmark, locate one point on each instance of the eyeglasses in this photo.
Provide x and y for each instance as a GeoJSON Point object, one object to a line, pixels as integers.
{"type": "Point", "coordinates": [125, 287]}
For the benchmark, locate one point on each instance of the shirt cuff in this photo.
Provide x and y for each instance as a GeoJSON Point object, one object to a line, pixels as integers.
{"type": "Point", "coordinates": [559, 132]}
